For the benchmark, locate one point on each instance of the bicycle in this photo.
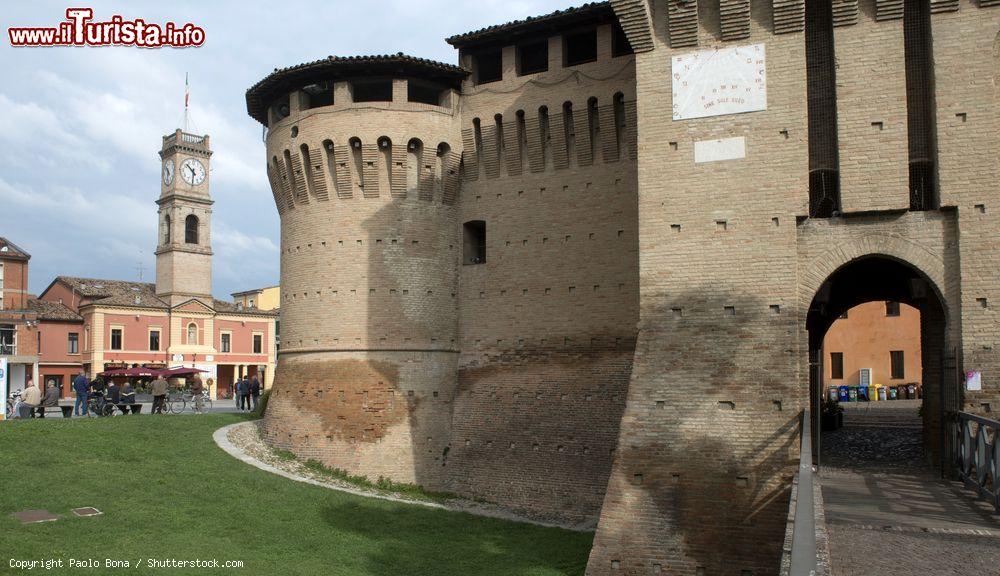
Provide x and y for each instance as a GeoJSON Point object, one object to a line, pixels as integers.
{"type": "Point", "coordinates": [175, 403]}
{"type": "Point", "coordinates": [98, 406]}
{"type": "Point", "coordinates": [14, 405]}
{"type": "Point", "coordinates": [206, 401]}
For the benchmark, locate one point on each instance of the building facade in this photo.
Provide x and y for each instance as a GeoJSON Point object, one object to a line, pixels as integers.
{"type": "Point", "coordinates": [108, 324]}
{"type": "Point", "coordinates": [883, 337]}
{"type": "Point", "coordinates": [268, 298]}
{"type": "Point", "coordinates": [587, 272]}
{"type": "Point", "coordinates": [18, 321]}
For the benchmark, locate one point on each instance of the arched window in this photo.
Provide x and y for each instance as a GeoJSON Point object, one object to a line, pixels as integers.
{"type": "Point", "coordinates": [192, 333]}
{"type": "Point", "coordinates": [191, 229]}
{"type": "Point", "coordinates": [166, 229]}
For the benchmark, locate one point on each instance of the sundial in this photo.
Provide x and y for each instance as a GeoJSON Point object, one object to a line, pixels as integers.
{"type": "Point", "coordinates": [719, 81]}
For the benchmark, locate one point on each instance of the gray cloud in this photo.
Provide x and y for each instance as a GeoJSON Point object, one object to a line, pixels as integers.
{"type": "Point", "coordinates": [78, 165]}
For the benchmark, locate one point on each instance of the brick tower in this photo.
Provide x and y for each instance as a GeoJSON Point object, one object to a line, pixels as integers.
{"type": "Point", "coordinates": [184, 243]}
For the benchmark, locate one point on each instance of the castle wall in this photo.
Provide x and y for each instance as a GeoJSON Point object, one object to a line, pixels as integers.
{"type": "Point", "coordinates": [370, 246]}
{"type": "Point", "coordinates": [709, 436]}
{"type": "Point", "coordinates": [547, 323]}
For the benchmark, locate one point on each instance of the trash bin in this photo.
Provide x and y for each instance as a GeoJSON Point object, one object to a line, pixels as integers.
{"type": "Point", "coordinates": [920, 391]}
{"type": "Point", "coordinates": [882, 393]}
{"type": "Point", "coordinates": [873, 392]}
{"type": "Point", "coordinates": [844, 392]}
{"type": "Point", "coordinates": [911, 392]}
{"type": "Point", "coordinates": [832, 394]}
{"type": "Point", "coordinates": [893, 393]}
{"type": "Point", "coordinates": [863, 394]}
{"type": "Point", "coordinates": [852, 392]}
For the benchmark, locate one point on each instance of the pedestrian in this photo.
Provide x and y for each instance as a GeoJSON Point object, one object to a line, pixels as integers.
{"type": "Point", "coordinates": [30, 399]}
{"type": "Point", "coordinates": [236, 392]}
{"type": "Point", "coordinates": [114, 396]}
{"type": "Point", "coordinates": [81, 386]}
{"type": "Point", "coordinates": [159, 389]}
{"type": "Point", "coordinates": [255, 391]}
{"type": "Point", "coordinates": [243, 389]}
{"type": "Point", "coordinates": [196, 393]}
{"type": "Point", "coordinates": [128, 397]}
{"type": "Point", "coordinates": [51, 398]}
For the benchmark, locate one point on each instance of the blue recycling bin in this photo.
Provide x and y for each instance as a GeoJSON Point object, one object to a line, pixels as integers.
{"type": "Point", "coordinates": [863, 394]}
{"type": "Point", "coordinates": [845, 393]}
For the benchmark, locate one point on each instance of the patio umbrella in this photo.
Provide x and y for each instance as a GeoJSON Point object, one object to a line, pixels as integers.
{"type": "Point", "coordinates": [180, 371]}
{"type": "Point", "coordinates": [139, 372]}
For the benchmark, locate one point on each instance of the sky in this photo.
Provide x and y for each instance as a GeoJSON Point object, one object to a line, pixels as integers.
{"type": "Point", "coordinates": [82, 126]}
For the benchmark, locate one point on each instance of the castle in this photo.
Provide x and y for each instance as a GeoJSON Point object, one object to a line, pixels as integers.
{"type": "Point", "coordinates": [587, 272]}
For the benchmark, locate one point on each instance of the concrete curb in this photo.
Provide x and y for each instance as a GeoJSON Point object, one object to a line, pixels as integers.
{"type": "Point", "coordinates": [221, 437]}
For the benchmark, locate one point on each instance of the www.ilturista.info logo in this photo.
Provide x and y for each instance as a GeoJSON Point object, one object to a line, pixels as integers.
{"type": "Point", "coordinates": [78, 30]}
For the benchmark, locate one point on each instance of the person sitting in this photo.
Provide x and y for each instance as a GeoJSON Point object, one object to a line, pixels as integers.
{"type": "Point", "coordinates": [30, 400]}
{"type": "Point", "coordinates": [51, 398]}
{"type": "Point", "coordinates": [128, 397]}
{"type": "Point", "coordinates": [114, 396]}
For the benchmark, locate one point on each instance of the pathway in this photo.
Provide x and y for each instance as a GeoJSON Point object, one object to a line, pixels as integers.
{"type": "Point", "coordinates": [888, 513]}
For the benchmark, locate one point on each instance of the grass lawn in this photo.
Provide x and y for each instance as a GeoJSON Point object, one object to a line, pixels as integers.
{"type": "Point", "coordinates": [167, 491]}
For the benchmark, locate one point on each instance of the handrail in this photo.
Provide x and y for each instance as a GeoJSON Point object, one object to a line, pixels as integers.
{"type": "Point", "coordinates": [976, 458]}
{"type": "Point", "coordinates": [803, 554]}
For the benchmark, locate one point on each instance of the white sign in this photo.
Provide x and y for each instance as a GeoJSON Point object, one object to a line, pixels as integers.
{"type": "Point", "coordinates": [717, 150]}
{"type": "Point", "coordinates": [3, 389]}
{"type": "Point", "coordinates": [973, 380]}
{"type": "Point", "coordinates": [720, 81]}
{"type": "Point", "coordinates": [178, 358]}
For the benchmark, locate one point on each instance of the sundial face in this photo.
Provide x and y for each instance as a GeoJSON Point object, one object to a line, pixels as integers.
{"type": "Point", "coordinates": [721, 81]}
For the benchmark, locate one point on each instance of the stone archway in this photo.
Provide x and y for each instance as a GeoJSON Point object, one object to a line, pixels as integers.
{"type": "Point", "coordinates": [885, 267]}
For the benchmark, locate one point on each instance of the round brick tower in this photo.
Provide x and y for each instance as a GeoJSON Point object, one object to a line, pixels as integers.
{"type": "Point", "coordinates": [362, 156]}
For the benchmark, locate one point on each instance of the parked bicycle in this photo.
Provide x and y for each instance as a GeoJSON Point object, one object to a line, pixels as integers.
{"type": "Point", "coordinates": [14, 405]}
{"type": "Point", "coordinates": [189, 398]}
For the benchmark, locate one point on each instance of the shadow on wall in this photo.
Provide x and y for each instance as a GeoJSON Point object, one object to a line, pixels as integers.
{"type": "Point", "coordinates": [709, 440]}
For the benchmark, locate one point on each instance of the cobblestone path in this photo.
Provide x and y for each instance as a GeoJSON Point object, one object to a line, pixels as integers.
{"type": "Point", "coordinates": [888, 512]}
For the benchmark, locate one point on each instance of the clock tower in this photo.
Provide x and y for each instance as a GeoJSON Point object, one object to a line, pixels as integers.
{"type": "Point", "coordinates": [184, 243]}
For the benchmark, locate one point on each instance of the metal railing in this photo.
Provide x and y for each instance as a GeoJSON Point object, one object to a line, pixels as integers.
{"type": "Point", "coordinates": [801, 550]}
{"type": "Point", "coordinates": [976, 453]}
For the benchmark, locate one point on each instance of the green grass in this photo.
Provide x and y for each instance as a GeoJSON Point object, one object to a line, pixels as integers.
{"type": "Point", "coordinates": [167, 491]}
{"type": "Point", "coordinates": [412, 491]}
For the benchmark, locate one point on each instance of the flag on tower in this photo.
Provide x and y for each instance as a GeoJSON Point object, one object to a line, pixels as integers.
{"type": "Point", "coordinates": [187, 93]}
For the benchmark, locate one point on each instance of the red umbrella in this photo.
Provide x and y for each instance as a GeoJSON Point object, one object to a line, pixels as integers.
{"type": "Point", "coordinates": [139, 372]}
{"type": "Point", "coordinates": [180, 371]}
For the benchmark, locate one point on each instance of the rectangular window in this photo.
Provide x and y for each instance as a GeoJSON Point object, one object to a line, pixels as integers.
{"type": "Point", "coordinates": [898, 366]}
{"type": "Point", "coordinates": [892, 308]}
{"type": "Point", "coordinates": [836, 365]}
{"type": "Point", "coordinates": [226, 344]}
{"type": "Point", "coordinates": [489, 66]}
{"type": "Point", "coordinates": [372, 91]}
{"type": "Point", "coordinates": [533, 58]}
{"type": "Point", "coordinates": [116, 338]}
{"type": "Point", "coordinates": [316, 95]}
{"type": "Point", "coordinates": [474, 242]}
{"type": "Point", "coordinates": [8, 340]}
{"type": "Point", "coordinates": [258, 343]}
{"type": "Point", "coordinates": [73, 343]}
{"type": "Point", "coordinates": [423, 93]}
{"type": "Point", "coordinates": [580, 48]}
{"type": "Point", "coordinates": [154, 340]}
{"type": "Point", "coordinates": [620, 45]}
{"type": "Point", "coordinates": [38, 340]}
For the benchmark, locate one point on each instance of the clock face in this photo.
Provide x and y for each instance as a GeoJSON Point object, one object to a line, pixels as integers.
{"type": "Point", "coordinates": [716, 82]}
{"type": "Point", "coordinates": [192, 171]}
{"type": "Point", "coordinates": [168, 172]}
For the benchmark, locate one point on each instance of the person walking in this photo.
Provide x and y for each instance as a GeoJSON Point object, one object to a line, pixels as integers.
{"type": "Point", "coordinates": [51, 398]}
{"type": "Point", "coordinates": [30, 400]}
{"type": "Point", "coordinates": [196, 393]}
{"type": "Point", "coordinates": [159, 389]}
{"type": "Point", "coordinates": [81, 386]}
{"type": "Point", "coordinates": [254, 392]}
